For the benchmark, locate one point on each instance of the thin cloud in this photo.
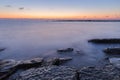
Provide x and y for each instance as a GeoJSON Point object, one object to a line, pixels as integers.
{"type": "Point", "coordinates": [8, 6]}
{"type": "Point", "coordinates": [21, 8]}
{"type": "Point", "coordinates": [107, 16]}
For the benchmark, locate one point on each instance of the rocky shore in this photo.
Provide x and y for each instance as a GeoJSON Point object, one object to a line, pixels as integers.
{"type": "Point", "coordinates": [108, 72]}
{"type": "Point", "coordinates": [52, 69]}
{"type": "Point", "coordinates": [9, 67]}
{"type": "Point", "coordinates": [39, 69]}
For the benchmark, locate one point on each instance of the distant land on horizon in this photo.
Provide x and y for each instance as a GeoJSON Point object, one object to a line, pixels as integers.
{"type": "Point", "coordinates": [87, 20]}
{"type": "Point", "coordinates": [62, 20]}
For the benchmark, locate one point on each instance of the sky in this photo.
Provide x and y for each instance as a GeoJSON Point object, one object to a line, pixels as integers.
{"type": "Point", "coordinates": [60, 9]}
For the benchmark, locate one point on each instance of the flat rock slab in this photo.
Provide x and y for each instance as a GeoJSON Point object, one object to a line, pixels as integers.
{"type": "Point", "coordinates": [7, 67]}
{"type": "Point", "coordinates": [115, 62]}
{"type": "Point", "coordinates": [65, 50]}
{"type": "Point", "coordinates": [30, 63]}
{"type": "Point", "coordinates": [48, 73]}
{"type": "Point", "coordinates": [105, 41]}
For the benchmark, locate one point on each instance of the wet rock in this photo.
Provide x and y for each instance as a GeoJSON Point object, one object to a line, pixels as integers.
{"type": "Point", "coordinates": [115, 62]}
{"type": "Point", "coordinates": [48, 73]}
{"type": "Point", "coordinates": [2, 49]}
{"type": "Point", "coordinates": [106, 58]}
{"type": "Point", "coordinates": [105, 41]}
{"type": "Point", "coordinates": [112, 50]}
{"type": "Point", "coordinates": [35, 62]}
{"type": "Point", "coordinates": [7, 67]}
{"type": "Point", "coordinates": [58, 61]}
{"type": "Point", "coordinates": [55, 61]}
{"type": "Point", "coordinates": [108, 72]}
{"type": "Point", "coordinates": [65, 50]}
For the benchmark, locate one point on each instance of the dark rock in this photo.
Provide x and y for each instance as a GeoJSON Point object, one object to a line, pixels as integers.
{"type": "Point", "coordinates": [49, 73]}
{"type": "Point", "coordinates": [55, 62]}
{"type": "Point", "coordinates": [107, 58]}
{"type": "Point", "coordinates": [66, 50]}
{"type": "Point", "coordinates": [112, 50]}
{"type": "Point", "coordinates": [2, 49]}
{"type": "Point", "coordinates": [36, 62]}
{"type": "Point", "coordinates": [105, 41]}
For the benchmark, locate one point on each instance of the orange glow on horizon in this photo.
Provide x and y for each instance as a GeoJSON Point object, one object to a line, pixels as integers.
{"type": "Point", "coordinates": [57, 16]}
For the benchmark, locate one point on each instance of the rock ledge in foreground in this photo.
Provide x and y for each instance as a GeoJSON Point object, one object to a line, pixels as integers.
{"type": "Point", "coordinates": [49, 73]}
{"type": "Point", "coordinates": [109, 72]}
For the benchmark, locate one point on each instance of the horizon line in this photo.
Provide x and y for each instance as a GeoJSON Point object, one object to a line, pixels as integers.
{"type": "Point", "coordinates": [61, 19]}
{"type": "Point", "coordinates": [65, 20]}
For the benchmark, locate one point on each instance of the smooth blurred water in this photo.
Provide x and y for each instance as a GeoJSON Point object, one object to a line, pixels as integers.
{"type": "Point", "coordinates": [26, 39]}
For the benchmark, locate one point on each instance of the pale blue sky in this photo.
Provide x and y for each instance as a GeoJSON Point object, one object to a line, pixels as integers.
{"type": "Point", "coordinates": [61, 7]}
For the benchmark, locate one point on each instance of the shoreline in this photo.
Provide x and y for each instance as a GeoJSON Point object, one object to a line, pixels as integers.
{"type": "Point", "coordinates": [51, 69]}
{"type": "Point", "coordinates": [40, 67]}
{"type": "Point", "coordinates": [9, 68]}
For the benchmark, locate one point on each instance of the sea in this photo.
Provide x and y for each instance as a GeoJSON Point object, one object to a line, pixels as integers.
{"type": "Point", "coordinates": [25, 39]}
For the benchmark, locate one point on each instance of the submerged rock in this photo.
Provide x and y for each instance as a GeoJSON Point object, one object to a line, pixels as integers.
{"type": "Point", "coordinates": [48, 73]}
{"type": "Point", "coordinates": [112, 50]}
{"type": "Point", "coordinates": [66, 50]}
{"type": "Point", "coordinates": [105, 41]}
{"type": "Point", "coordinates": [2, 49]}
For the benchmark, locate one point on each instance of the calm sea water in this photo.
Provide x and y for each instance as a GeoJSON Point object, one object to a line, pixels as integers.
{"type": "Point", "coordinates": [26, 39]}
